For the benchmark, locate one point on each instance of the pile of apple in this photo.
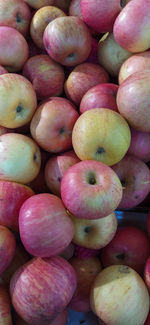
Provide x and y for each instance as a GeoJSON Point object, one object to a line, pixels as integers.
{"type": "Point", "coordinates": [74, 149]}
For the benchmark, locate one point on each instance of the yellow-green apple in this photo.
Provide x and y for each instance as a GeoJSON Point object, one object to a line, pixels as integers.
{"type": "Point", "coordinates": [134, 175]}
{"type": "Point", "coordinates": [41, 18]}
{"type": "Point", "coordinates": [16, 14]}
{"type": "Point", "coordinates": [55, 168]}
{"type": "Point", "coordinates": [100, 190]}
{"type": "Point", "coordinates": [147, 273]}
{"type": "Point", "coordinates": [14, 50]}
{"type": "Point", "coordinates": [111, 55]}
{"type": "Point", "coordinates": [7, 247]}
{"type": "Point", "coordinates": [133, 100]}
{"type": "Point", "coordinates": [127, 35]}
{"type": "Point", "coordinates": [94, 234]}
{"type": "Point", "coordinates": [100, 14]}
{"type": "Point", "coordinates": [46, 76]}
{"type": "Point", "coordinates": [86, 271]}
{"type": "Point", "coordinates": [62, 4]}
{"type": "Point", "coordinates": [119, 296]}
{"type": "Point", "coordinates": [137, 62]}
{"type": "Point", "coordinates": [42, 288]}
{"type": "Point", "coordinates": [148, 223]}
{"type": "Point", "coordinates": [39, 218]}
{"type": "Point", "coordinates": [83, 77]}
{"type": "Point", "coordinates": [20, 158]}
{"type": "Point", "coordinates": [2, 70]}
{"type": "Point", "coordinates": [147, 322]}
{"type": "Point", "coordinates": [68, 252]}
{"type": "Point", "coordinates": [61, 319]}
{"type": "Point", "coordinates": [12, 196]}
{"type": "Point", "coordinates": [140, 145]}
{"type": "Point", "coordinates": [130, 246]}
{"type": "Point", "coordinates": [18, 100]}
{"type": "Point", "coordinates": [5, 310]}
{"type": "Point", "coordinates": [52, 124]}
{"type": "Point", "coordinates": [102, 95]}
{"type": "Point", "coordinates": [75, 8]}
{"type": "Point", "coordinates": [37, 4]}
{"type": "Point", "coordinates": [101, 134]}
{"type": "Point", "coordinates": [71, 48]}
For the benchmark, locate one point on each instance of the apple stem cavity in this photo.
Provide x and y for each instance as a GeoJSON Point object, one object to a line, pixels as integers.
{"type": "Point", "coordinates": [61, 130]}
{"type": "Point", "coordinates": [87, 229]}
{"type": "Point", "coordinates": [121, 256]}
{"type": "Point", "coordinates": [91, 179]}
{"type": "Point", "coordinates": [18, 18]}
{"type": "Point", "coordinates": [18, 109]}
{"type": "Point", "coordinates": [100, 150]}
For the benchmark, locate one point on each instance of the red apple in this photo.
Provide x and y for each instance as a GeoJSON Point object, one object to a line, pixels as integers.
{"type": "Point", "coordinates": [103, 95]}
{"type": "Point", "coordinates": [7, 248]}
{"type": "Point", "coordinates": [130, 246]}
{"type": "Point", "coordinates": [83, 77]}
{"type": "Point", "coordinates": [93, 57]}
{"type": "Point", "coordinates": [134, 175]}
{"type": "Point", "coordinates": [90, 190]}
{"type": "Point", "coordinates": [5, 307]}
{"type": "Point", "coordinates": [147, 272]}
{"type": "Point", "coordinates": [42, 288]}
{"type": "Point", "coordinates": [75, 8]}
{"type": "Point", "coordinates": [55, 168]}
{"type": "Point", "coordinates": [2, 70]}
{"type": "Point", "coordinates": [38, 185]}
{"type": "Point", "coordinates": [148, 223]}
{"type": "Point", "coordinates": [60, 319]}
{"type": "Point", "coordinates": [140, 145]}
{"type": "Point", "coordinates": [86, 271]}
{"type": "Point", "coordinates": [52, 124]}
{"type": "Point", "coordinates": [46, 76]}
{"type": "Point", "coordinates": [45, 228]}
{"type": "Point", "coordinates": [83, 252]}
{"type": "Point", "coordinates": [67, 49]}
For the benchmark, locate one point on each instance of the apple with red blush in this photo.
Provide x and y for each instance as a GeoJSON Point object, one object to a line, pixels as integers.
{"type": "Point", "coordinates": [140, 145]}
{"type": "Point", "coordinates": [7, 248]}
{"type": "Point", "coordinates": [5, 303]}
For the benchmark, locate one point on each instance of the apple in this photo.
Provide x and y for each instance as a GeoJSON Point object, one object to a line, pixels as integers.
{"type": "Point", "coordinates": [55, 168]}
{"type": "Point", "coordinates": [18, 100]}
{"type": "Point", "coordinates": [16, 14]}
{"type": "Point", "coordinates": [41, 18]}
{"type": "Point", "coordinates": [33, 49]}
{"type": "Point", "coordinates": [2, 70]}
{"type": "Point", "coordinates": [83, 252]}
{"type": "Point", "coordinates": [42, 288]}
{"type": "Point", "coordinates": [140, 145]}
{"type": "Point", "coordinates": [94, 234]}
{"type": "Point", "coordinates": [60, 319]}
{"type": "Point", "coordinates": [147, 272]}
{"type": "Point", "coordinates": [68, 252]}
{"type": "Point", "coordinates": [38, 185]}
{"type": "Point", "coordinates": [44, 226]}
{"type": "Point", "coordinates": [46, 76]}
{"type": "Point", "coordinates": [52, 124]}
{"type": "Point", "coordinates": [100, 14]}
{"type": "Point", "coordinates": [147, 320]}
{"type": "Point", "coordinates": [83, 77]}
{"type": "Point", "coordinates": [5, 310]}
{"type": "Point", "coordinates": [100, 96]}
{"type": "Point", "coordinates": [134, 175]}
{"type": "Point", "coordinates": [130, 246]}
{"type": "Point", "coordinates": [62, 4]}
{"type": "Point", "coordinates": [101, 134]}
{"type": "Point", "coordinates": [92, 58]}
{"type": "Point", "coordinates": [16, 45]}
{"type": "Point", "coordinates": [90, 190]}
{"type": "Point", "coordinates": [37, 4]}
{"type": "Point", "coordinates": [7, 247]}
{"type": "Point", "coordinates": [137, 62]}
{"type": "Point", "coordinates": [111, 55]}
{"type": "Point", "coordinates": [133, 100]}
{"type": "Point", "coordinates": [148, 223]}
{"type": "Point", "coordinates": [120, 296]}
{"type": "Point", "coordinates": [67, 49]}
{"type": "Point", "coordinates": [20, 158]}
{"type": "Point", "coordinates": [131, 26]}
{"type": "Point", "coordinates": [75, 8]}
{"type": "Point", "coordinates": [86, 271]}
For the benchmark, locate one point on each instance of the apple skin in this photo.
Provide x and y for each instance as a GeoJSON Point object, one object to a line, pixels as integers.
{"type": "Point", "coordinates": [92, 58]}
{"type": "Point", "coordinates": [16, 14]}
{"type": "Point", "coordinates": [94, 234]}
{"type": "Point", "coordinates": [83, 77]}
{"type": "Point", "coordinates": [5, 310]}
{"type": "Point", "coordinates": [134, 175]}
{"type": "Point", "coordinates": [148, 223]}
{"type": "Point", "coordinates": [7, 247]}
{"type": "Point", "coordinates": [16, 45]}
{"type": "Point", "coordinates": [68, 50]}
{"type": "Point", "coordinates": [75, 8]}
{"type": "Point", "coordinates": [40, 20]}
{"type": "Point", "coordinates": [20, 159]}
{"type": "Point", "coordinates": [125, 29]}
{"type": "Point", "coordinates": [18, 100]}
{"type": "Point", "coordinates": [130, 246]}
{"type": "Point", "coordinates": [37, 4]}
{"type": "Point", "coordinates": [130, 100]}
{"type": "Point", "coordinates": [100, 14]}
{"type": "Point", "coordinates": [120, 296]}
{"type": "Point", "coordinates": [46, 76]}
{"type": "Point", "coordinates": [61, 319]}
{"type": "Point", "coordinates": [2, 70]}
{"type": "Point", "coordinates": [52, 280]}
{"type": "Point", "coordinates": [55, 168]}
{"type": "Point", "coordinates": [140, 145]}
{"type": "Point", "coordinates": [147, 273]}
{"type": "Point", "coordinates": [101, 134]}
{"type": "Point", "coordinates": [52, 124]}
{"type": "Point", "coordinates": [68, 252]}
{"type": "Point", "coordinates": [86, 271]}
{"type": "Point", "coordinates": [111, 55]}
{"type": "Point", "coordinates": [100, 190]}
{"type": "Point", "coordinates": [102, 95]}
{"type": "Point", "coordinates": [137, 62]}
{"type": "Point", "coordinates": [45, 211]}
